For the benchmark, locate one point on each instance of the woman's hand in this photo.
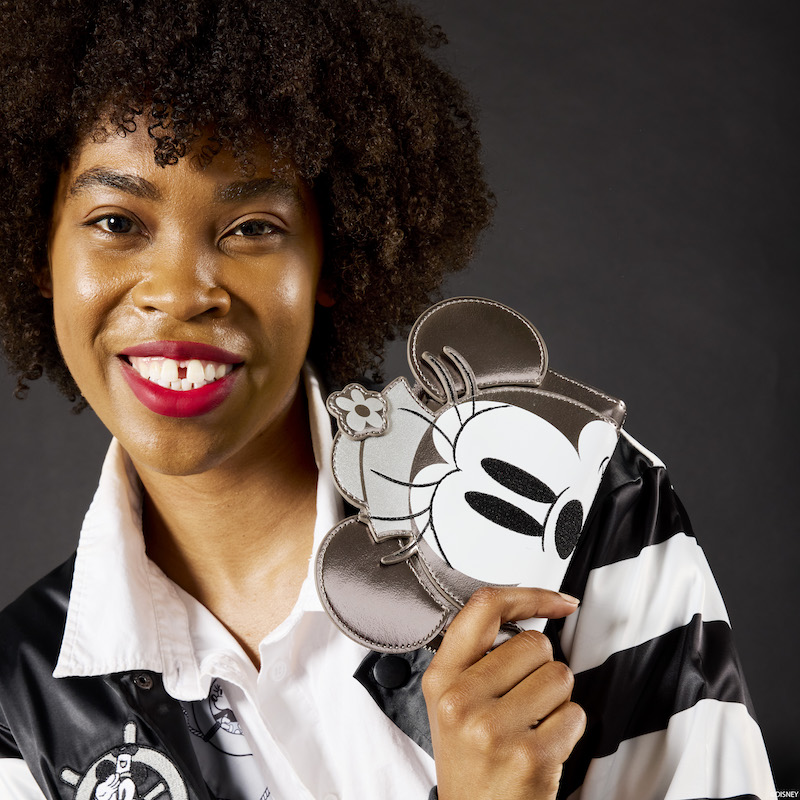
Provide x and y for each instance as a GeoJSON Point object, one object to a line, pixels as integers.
{"type": "Point", "coordinates": [502, 722]}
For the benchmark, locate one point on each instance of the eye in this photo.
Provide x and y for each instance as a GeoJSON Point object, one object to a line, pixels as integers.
{"type": "Point", "coordinates": [568, 528]}
{"type": "Point", "coordinates": [508, 516]}
{"type": "Point", "coordinates": [114, 223]}
{"type": "Point", "coordinates": [255, 227]}
{"type": "Point", "coordinates": [518, 480]}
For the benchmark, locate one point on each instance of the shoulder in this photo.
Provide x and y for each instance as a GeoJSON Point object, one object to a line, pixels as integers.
{"type": "Point", "coordinates": [630, 462]}
{"type": "Point", "coordinates": [635, 507]}
{"type": "Point", "coordinates": [34, 622]}
{"type": "Point", "coordinates": [31, 628]}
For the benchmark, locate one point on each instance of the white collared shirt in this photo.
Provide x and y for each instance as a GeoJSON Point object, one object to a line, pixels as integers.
{"type": "Point", "coordinates": [300, 727]}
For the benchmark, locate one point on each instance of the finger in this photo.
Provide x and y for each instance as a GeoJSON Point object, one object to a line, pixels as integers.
{"type": "Point", "coordinates": [555, 737]}
{"type": "Point", "coordinates": [500, 670]}
{"type": "Point", "coordinates": [473, 631]}
{"type": "Point", "coordinates": [537, 697]}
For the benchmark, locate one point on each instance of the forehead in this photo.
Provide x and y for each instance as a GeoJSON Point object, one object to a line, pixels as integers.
{"type": "Point", "coordinates": [126, 162]}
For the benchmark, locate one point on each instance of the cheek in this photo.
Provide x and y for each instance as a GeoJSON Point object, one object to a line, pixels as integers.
{"type": "Point", "coordinates": [83, 297]}
{"type": "Point", "coordinates": [287, 306]}
{"type": "Point", "coordinates": [77, 299]}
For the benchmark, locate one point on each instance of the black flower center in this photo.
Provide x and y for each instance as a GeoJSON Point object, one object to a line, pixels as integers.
{"type": "Point", "coordinates": [362, 410]}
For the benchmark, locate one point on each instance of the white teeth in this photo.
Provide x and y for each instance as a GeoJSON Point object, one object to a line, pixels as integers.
{"type": "Point", "coordinates": [169, 370]}
{"type": "Point", "coordinates": [179, 375]}
{"type": "Point", "coordinates": [195, 372]}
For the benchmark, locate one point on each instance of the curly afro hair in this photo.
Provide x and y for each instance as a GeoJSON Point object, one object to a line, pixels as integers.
{"type": "Point", "coordinates": [346, 90]}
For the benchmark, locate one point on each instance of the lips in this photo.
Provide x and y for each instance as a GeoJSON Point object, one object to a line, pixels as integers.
{"type": "Point", "coordinates": [179, 379]}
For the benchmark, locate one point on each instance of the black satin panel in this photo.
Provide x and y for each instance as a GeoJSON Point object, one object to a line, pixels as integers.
{"type": "Point", "coordinates": [405, 706]}
{"type": "Point", "coordinates": [31, 629]}
{"type": "Point", "coordinates": [8, 747]}
{"type": "Point", "coordinates": [637, 690]}
{"type": "Point", "coordinates": [71, 722]}
{"type": "Point", "coordinates": [635, 507]}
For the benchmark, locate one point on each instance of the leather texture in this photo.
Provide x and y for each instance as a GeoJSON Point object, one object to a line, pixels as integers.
{"type": "Point", "coordinates": [503, 349]}
{"type": "Point", "coordinates": [480, 474]}
{"type": "Point", "coordinates": [349, 571]}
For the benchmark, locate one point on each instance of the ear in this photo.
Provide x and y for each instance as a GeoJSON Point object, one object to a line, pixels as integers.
{"type": "Point", "coordinates": [501, 347]}
{"type": "Point", "coordinates": [44, 283]}
{"type": "Point", "coordinates": [385, 608]}
{"type": "Point", "coordinates": [325, 293]}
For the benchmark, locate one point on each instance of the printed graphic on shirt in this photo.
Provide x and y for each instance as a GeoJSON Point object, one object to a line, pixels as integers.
{"type": "Point", "coordinates": [128, 771]}
{"type": "Point", "coordinates": [213, 721]}
{"type": "Point", "coordinates": [222, 750]}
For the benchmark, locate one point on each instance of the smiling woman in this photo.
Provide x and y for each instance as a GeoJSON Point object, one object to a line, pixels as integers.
{"type": "Point", "coordinates": [217, 212]}
{"type": "Point", "coordinates": [189, 272]}
{"type": "Point", "coordinates": [394, 165]}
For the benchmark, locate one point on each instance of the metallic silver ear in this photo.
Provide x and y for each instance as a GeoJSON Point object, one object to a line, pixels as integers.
{"type": "Point", "coordinates": [500, 345]}
{"type": "Point", "coordinates": [385, 608]}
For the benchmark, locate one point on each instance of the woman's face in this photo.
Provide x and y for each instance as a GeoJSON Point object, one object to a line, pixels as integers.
{"type": "Point", "coordinates": [183, 297]}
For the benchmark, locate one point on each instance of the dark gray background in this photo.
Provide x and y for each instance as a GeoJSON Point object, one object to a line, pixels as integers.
{"type": "Point", "coordinates": [644, 157]}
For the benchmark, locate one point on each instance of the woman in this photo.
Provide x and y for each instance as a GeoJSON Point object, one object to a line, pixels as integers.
{"type": "Point", "coordinates": [224, 190]}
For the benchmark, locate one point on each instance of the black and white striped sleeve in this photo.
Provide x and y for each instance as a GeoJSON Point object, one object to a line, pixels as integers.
{"type": "Point", "coordinates": [669, 715]}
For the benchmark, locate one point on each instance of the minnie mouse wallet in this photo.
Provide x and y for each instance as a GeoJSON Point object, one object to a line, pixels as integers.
{"type": "Point", "coordinates": [481, 473]}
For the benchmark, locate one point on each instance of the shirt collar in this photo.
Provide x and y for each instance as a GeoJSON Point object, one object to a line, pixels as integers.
{"type": "Point", "coordinates": [124, 613]}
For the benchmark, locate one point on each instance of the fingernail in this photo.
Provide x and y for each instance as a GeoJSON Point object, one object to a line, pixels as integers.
{"type": "Point", "coordinates": [569, 598]}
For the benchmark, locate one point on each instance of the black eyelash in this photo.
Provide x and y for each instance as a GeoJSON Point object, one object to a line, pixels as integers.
{"type": "Point", "coordinates": [93, 222]}
{"type": "Point", "coordinates": [271, 228]}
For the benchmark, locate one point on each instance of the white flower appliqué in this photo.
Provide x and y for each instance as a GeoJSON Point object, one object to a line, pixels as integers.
{"type": "Point", "coordinates": [359, 412]}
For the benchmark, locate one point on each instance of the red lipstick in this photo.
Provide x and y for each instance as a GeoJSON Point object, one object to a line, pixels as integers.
{"type": "Point", "coordinates": [183, 350]}
{"type": "Point", "coordinates": [170, 402]}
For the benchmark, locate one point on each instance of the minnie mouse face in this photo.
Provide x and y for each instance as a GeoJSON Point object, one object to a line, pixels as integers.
{"type": "Point", "coordinates": [507, 501]}
{"type": "Point", "coordinates": [498, 492]}
{"type": "Point", "coordinates": [473, 477]}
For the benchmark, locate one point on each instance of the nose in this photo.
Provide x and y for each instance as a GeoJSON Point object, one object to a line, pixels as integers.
{"type": "Point", "coordinates": [183, 287]}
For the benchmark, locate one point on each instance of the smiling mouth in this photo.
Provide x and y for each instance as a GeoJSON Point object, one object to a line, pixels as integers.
{"type": "Point", "coordinates": [180, 375]}
{"type": "Point", "coordinates": [180, 379]}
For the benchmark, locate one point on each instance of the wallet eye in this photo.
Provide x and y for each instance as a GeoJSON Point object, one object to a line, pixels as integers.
{"type": "Point", "coordinates": [504, 514]}
{"type": "Point", "coordinates": [518, 480]}
{"type": "Point", "coordinates": [568, 528]}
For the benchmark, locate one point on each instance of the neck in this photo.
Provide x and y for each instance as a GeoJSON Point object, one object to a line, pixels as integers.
{"type": "Point", "coordinates": [238, 537]}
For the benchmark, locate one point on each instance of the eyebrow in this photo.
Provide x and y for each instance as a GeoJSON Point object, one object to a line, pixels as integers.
{"type": "Point", "coordinates": [102, 176]}
{"type": "Point", "coordinates": [139, 187]}
{"type": "Point", "coordinates": [259, 187]}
